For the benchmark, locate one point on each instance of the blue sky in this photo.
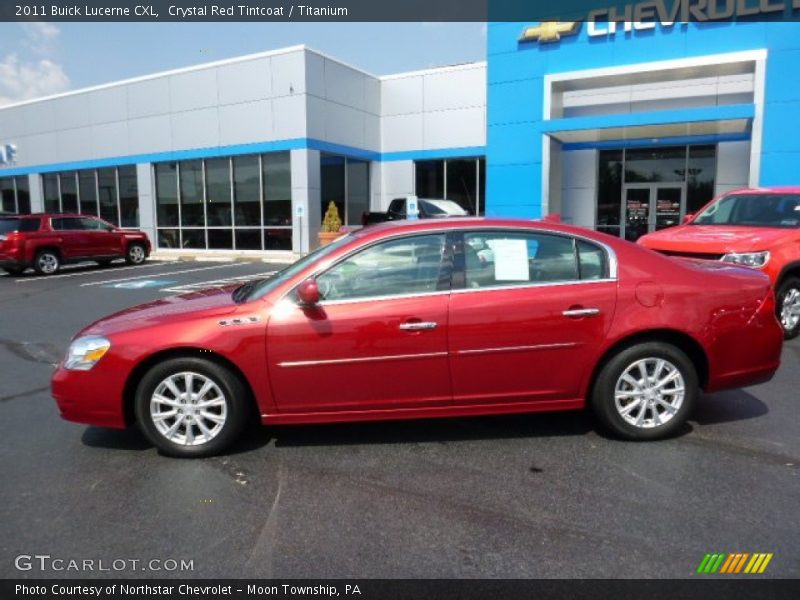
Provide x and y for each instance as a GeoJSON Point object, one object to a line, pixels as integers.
{"type": "Point", "coordinates": [38, 59]}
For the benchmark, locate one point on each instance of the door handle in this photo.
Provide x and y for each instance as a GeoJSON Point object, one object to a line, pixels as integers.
{"type": "Point", "coordinates": [581, 312]}
{"type": "Point", "coordinates": [419, 326]}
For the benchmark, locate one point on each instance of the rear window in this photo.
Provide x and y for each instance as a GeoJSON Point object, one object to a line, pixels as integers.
{"type": "Point", "coordinates": [8, 225]}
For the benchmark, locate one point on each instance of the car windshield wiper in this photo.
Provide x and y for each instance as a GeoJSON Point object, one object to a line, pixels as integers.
{"type": "Point", "coordinates": [241, 293]}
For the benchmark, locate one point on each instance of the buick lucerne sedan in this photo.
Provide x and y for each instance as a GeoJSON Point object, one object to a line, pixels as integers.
{"type": "Point", "coordinates": [430, 319]}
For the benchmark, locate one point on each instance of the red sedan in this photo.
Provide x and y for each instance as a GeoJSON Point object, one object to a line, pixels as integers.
{"type": "Point", "coordinates": [431, 319]}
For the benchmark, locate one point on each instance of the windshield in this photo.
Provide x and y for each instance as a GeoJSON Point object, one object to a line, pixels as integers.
{"type": "Point", "coordinates": [265, 286]}
{"type": "Point", "coordinates": [754, 210]}
{"type": "Point", "coordinates": [8, 225]}
{"type": "Point", "coordinates": [443, 207]}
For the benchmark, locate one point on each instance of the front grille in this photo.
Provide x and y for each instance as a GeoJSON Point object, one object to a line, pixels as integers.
{"type": "Point", "coordinates": [698, 255]}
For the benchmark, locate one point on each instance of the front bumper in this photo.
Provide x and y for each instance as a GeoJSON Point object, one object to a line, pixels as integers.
{"type": "Point", "coordinates": [90, 397]}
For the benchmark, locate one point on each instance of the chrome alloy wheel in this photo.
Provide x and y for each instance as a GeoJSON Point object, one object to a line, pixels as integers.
{"type": "Point", "coordinates": [790, 309]}
{"type": "Point", "coordinates": [48, 263]}
{"type": "Point", "coordinates": [136, 254]}
{"type": "Point", "coordinates": [188, 409]}
{"type": "Point", "coordinates": [649, 392]}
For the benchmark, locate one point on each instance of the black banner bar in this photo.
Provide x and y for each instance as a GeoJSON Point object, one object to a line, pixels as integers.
{"type": "Point", "coordinates": [396, 10]}
{"type": "Point", "coordinates": [403, 589]}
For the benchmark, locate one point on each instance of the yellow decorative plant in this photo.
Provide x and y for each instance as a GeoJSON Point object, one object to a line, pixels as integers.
{"type": "Point", "coordinates": [332, 223]}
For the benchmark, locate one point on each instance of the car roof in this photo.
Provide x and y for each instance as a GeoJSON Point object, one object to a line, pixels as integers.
{"type": "Point", "coordinates": [786, 189]}
{"type": "Point", "coordinates": [411, 226]}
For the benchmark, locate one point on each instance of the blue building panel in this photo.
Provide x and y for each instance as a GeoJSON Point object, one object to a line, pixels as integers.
{"type": "Point", "coordinates": [516, 95]}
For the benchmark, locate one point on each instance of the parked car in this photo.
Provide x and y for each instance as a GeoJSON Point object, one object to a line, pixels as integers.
{"type": "Point", "coordinates": [757, 228]}
{"type": "Point", "coordinates": [403, 320]}
{"type": "Point", "coordinates": [429, 208]}
{"type": "Point", "coordinates": [47, 241]}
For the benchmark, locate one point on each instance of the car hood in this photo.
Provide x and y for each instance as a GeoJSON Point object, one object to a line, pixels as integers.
{"type": "Point", "coordinates": [714, 239]}
{"type": "Point", "coordinates": [200, 304]}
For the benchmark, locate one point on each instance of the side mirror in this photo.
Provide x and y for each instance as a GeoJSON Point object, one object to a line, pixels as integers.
{"type": "Point", "coordinates": [308, 293]}
{"type": "Point", "coordinates": [687, 217]}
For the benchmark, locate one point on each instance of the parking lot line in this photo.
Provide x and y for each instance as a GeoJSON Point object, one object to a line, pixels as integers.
{"type": "Point", "coordinates": [199, 285]}
{"type": "Point", "coordinates": [182, 271]}
{"type": "Point", "coordinates": [95, 271]}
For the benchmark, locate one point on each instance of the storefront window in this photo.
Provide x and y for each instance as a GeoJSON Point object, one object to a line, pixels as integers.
{"type": "Point", "coordinates": [52, 204]}
{"type": "Point", "coordinates": [69, 192]}
{"type": "Point", "coordinates": [107, 192]}
{"type": "Point", "coordinates": [23, 195]}
{"type": "Point", "coordinates": [89, 192]}
{"type": "Point", "coordinates": [655, 164]}
{"type": "Point", "coordinates": [357, 191]}
{"type": "Point", "coordinates": [700, 177]}
{"type": "Point", "coordinates": [242, 202]}
{"type": "Point", "coordinates": [87, 187]}
{"type": "Point", "coordinates": [128, 197]}
{"type": "Point", "coordinates": [333, 184]}
{"type": "Point", "coordinates": [658, 185]}
{"type": "Point", "coordinates": [462, 180]}
{"type": "Point", "coordinates": [609, 191]}
{"type": "Point", "coordinates": [8, 195]}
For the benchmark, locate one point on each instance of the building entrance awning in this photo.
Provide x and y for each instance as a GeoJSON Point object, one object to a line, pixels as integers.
{"type": "Point", "coordinates": [699, 125]}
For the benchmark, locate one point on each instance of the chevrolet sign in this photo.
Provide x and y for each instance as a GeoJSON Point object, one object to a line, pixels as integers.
{"type": "Point", "coordinates": [8, 153]}
{"type": "Point", "coordinates": [549, 31]}
{"type": "Point", "coordinates": [640, 16]}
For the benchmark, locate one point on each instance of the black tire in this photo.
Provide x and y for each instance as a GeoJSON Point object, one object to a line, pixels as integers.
{"type": "Point", "coordinates": [47, 262]}
{"type": "Point", "coordinates": [14, 271]}
{"type": "Point", "coordinates": [233, 391]}
{"type": "Point", "coordinates": [136, 254]}
{"type": "Point", "coordinates": [788, 291]}
{"type": "Point", "coordinates": [604, 403]}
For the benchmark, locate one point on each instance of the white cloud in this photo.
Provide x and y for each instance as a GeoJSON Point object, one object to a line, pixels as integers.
{"type": "Point", "coordinates": [20, 80]}
{"type": "Point", "coordinates": [27, 77]}
{"type": "Point", "coordinates": [40, 37]}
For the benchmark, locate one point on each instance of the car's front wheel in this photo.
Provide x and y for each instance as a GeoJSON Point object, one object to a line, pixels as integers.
{"type": "Point", "coordinates": [136, 254]}
{"type": "Point", "coordinates": [646, 391]}
{"type": "Point", "coordinates": [788, 307]}
{"type": "Point", "coordinates": [191, 407]}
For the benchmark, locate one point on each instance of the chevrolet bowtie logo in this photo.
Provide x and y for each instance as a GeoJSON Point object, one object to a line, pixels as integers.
{"type": "Point", "coordinates": [549, 31]}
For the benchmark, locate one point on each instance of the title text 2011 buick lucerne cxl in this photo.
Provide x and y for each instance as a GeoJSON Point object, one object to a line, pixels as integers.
{"type": "Point", "coordinates": [430, 319]}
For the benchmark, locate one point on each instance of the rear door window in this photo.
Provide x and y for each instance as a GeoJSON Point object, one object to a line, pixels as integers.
{"type": "Point", "coordinates": [67, 224]}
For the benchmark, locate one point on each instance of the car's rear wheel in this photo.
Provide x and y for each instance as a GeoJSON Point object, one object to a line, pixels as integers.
{"type": "Point", "coordinates": [47, 262]}
{"type": "Point", "coordinates": [136, 254]}
{"type": "Point", "coordinates": [788, 307]}
{"type": "Point", "coordinates": [646, 391]}
{"type": "Point", "coordinates": [191, 407]}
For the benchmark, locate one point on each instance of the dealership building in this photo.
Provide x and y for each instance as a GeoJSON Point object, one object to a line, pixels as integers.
{"type": "Point", "coordinates": [614, 126]}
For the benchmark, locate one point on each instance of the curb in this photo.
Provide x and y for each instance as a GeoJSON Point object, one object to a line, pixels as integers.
{"type": "Point", "coordinates": [288, 258]}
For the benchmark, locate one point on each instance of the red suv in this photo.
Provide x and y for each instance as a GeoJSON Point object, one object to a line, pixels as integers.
{"type": "Point", "coordinates": [756, 228]}
{"type": "Point", "coordinates": [45, 242]}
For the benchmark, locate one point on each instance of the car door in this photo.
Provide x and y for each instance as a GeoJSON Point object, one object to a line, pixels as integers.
{"type": "Point", "coordinates": [73, 240]}
{"type": "Point", "coordinates": [103, 239]}
{"type": "Point", "coordinates": [528, 313]}
{"type": "Point", "coordinates": [377, 339]}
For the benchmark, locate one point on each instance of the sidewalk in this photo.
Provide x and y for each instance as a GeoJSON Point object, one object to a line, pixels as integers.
{"type": "Point", "coordinates": [225, 256]}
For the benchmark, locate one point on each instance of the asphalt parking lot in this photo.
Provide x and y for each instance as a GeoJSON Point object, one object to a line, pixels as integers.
{"type": "Point", "coordinates": [522, 496]}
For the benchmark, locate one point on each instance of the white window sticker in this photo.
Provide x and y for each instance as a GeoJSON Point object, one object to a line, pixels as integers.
{"type": "Point", "coordinates": [510, 260]}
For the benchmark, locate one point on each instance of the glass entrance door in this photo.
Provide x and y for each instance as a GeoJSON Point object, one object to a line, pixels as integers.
{"type": "Point", "coordinates": [648, 207]}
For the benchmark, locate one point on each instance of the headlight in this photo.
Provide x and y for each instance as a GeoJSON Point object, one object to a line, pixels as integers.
{"type": "Point", "coordinates": [747, 259]}
{"type": "Point", "coordinates": [85, 352]}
